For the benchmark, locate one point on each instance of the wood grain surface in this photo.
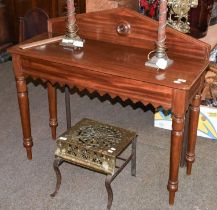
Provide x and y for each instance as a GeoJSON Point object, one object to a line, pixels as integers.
{"type": "Point", "coordinates": [102, 26]}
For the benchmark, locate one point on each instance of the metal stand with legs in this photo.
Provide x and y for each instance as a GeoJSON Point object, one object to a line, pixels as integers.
{"type": "Point", "coordinates": [109, 177]}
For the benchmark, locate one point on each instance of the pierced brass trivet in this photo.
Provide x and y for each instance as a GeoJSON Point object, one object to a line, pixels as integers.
{"type": "Point", "coordinates": [95, 146]}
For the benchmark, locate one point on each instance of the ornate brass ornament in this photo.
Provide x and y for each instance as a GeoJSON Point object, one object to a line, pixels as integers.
{"type": "Point", "coordinates": [93, 145]}
{"type": "Point", "coordinates": [178, 14]}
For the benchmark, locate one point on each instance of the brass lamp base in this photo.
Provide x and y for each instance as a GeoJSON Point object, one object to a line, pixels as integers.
{"type": "Point", "coordinates": [159, 63]}
{"type": "Point", "coordinates": [75, 42]}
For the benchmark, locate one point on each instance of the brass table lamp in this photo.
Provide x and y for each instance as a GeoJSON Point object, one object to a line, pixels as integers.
{"type": "Point", "coordinates": [71, 38]}
{"type": "Point", "coordinates": [160, 60]}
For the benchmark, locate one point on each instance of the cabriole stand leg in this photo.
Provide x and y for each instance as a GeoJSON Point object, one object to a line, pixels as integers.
{"type": "Point", "coordinates": [109, 191]}
{"type": "Point", "coordinates": [56, 164]}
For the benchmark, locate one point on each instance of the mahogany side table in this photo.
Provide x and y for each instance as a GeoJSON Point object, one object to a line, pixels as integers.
{"type": "Point", "coordinates": [114, 63]}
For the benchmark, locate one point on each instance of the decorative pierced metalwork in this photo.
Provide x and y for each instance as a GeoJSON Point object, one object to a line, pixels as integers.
{"type": "Point", "coordinates": [96, 146]}
{"type": "Point", "coordinates": [178, 17]}
{"type": "Point", "coordinates": [93, 145]}
{"type": "Point", "coordinates": [98, 136]}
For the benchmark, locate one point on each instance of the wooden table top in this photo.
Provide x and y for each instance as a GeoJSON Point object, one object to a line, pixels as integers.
{"type": "Point", "coordinates": [114, 64]}
{"type": "Point", "coordinates": [118, 60]}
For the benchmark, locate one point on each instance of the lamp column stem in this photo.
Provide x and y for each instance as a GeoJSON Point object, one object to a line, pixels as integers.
{"type": "Point", "coordinates": [160, 51]}
{"type": "Point", "coordinates": [71, 31]}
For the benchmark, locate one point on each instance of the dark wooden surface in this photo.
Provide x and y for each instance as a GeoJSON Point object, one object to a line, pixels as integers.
{"type": "Point", "coordinates": [5, 39]}
{"type": "Point", "coordinates": [18, 8]}
{"type": "Point", "coordinates": [33, 23]}
{"type": "Point", "coordinates": [114, 64]}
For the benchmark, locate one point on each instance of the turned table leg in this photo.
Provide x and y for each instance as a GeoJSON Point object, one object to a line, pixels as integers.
{"type": "Point", "coordinates": [185, 141]}
{"type": "Point", "coordinates": [175, 153]}
{"type": "Point", "coordinates": [23, 100]}
{"type": "Point", "coordinates": [52, 100]}
{"type": "Point", "coordinates": [193, 123]}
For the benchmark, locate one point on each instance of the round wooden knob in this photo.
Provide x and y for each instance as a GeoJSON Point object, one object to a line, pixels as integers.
{"type": "Point", "coordinates": [123, 28]}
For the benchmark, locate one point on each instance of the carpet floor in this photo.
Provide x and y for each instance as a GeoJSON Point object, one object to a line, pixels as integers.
{"type": "Point", "coordinates": [26, 185]}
